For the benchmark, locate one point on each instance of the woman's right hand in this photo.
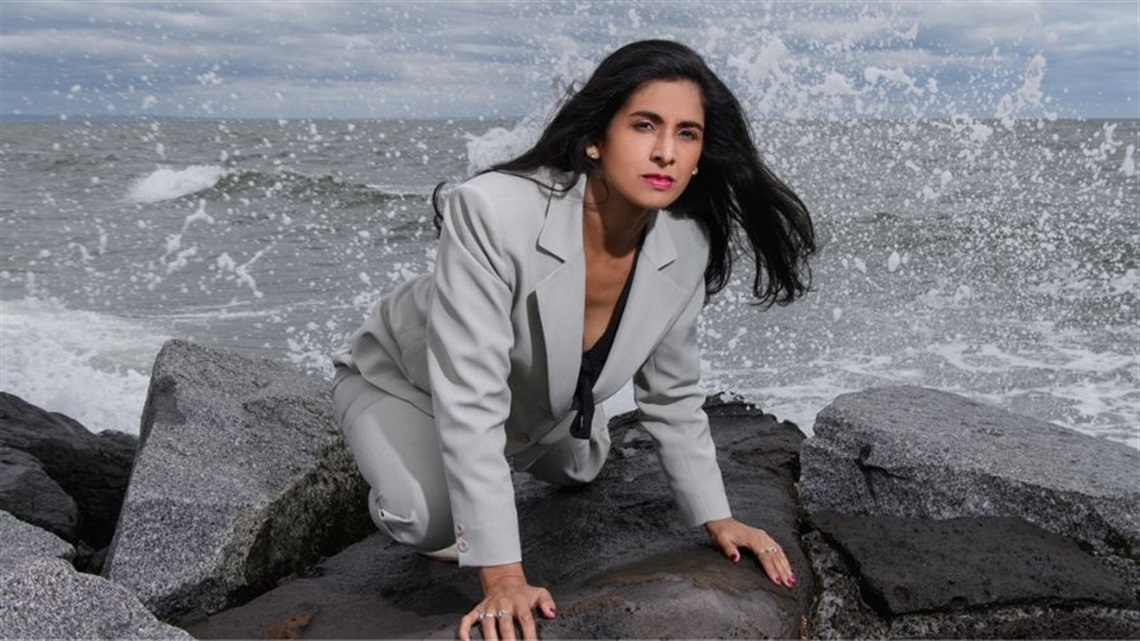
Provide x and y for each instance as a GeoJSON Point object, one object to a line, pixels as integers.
{"type": "Point", "coordinates": [507, 600]}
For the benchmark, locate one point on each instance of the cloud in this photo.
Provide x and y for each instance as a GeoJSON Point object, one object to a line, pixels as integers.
{"type": "Point", "coordinates": [395, 59]}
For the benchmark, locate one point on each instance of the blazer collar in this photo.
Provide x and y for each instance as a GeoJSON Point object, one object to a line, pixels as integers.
{"type": "Point", "coordinates": [560, 297]}
{"type": "Point", "coordinates": [561, 234]}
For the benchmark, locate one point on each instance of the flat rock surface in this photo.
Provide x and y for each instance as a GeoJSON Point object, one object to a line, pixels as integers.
{"type": "Point", "coordinates": [45, 598]}
{"type": "Point", "coordinates": [915, 565]}
{"type": "Point", "coordinates": [916, 452]}
{"type": "Point", "coordinates": [25, 541]}
{"type": "Point", "coordinates": [612, 553]}
{"type": "Point", "coordinates": [241, 478]}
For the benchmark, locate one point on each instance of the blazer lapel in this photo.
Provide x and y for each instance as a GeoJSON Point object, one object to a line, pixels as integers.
{"type": "Point", "coordinates": [652, 305]}
{"type": "Point", "coordinates": [561, 295]}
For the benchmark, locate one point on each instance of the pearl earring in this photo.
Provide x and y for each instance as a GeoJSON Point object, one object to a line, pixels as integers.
{"type": "Point", "coordinates": [592, 153]}
{"type": "Point", "coordinates": [695, 170]}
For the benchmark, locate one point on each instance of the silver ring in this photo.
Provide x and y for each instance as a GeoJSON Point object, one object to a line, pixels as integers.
{"type": "Point", "coordinates": [482, 614]}
{"type": "Point", "coordinates": [500, 614]}
{"type": "Point", "coordinates": [769, 551]}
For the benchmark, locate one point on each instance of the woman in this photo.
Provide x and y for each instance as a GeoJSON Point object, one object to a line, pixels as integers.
{"type": "Point", "coordinates": [562, 275]}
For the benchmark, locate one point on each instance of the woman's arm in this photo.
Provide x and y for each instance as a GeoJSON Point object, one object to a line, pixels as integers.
{"type": "Point", "coordinates": [469, 339]}
{"type": "Point", "coordinates": [667, 391]}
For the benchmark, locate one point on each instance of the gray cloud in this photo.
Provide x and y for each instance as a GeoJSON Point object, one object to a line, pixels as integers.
{"type": "Point", "coordinates": [460, 59]}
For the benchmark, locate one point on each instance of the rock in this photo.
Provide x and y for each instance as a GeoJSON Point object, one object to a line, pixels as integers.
{"type": "Point", "coordinates": [915, 452]}
{"type": "Point", "coordinates": [612, 553]}
{"type": "Point", "coordinates": [841, 612]}
{"type": "Point", "coordinates": [28, 493]}
{"type": "Point", "coordinates": [92, 468]}
{"type": "Point", "coordinates": [45, 598]}
{"type": "Point", "coordinates": [914, 566]}
{"type": "Point", "coordinates": [241, 478]}
{"type": "Point", "coordinates": [23, 540]}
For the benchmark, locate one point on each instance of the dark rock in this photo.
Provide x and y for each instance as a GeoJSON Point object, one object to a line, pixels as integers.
{"type": "Point", "coordinates": [916, 565]}
{"type": "Point", "coordinates": [612, 553]}
{"type": "Point", "coordinates": [914, 452]}
{"type": "Point", "coordinates": [242, 478]}
{"type": "Point", "coordinates": [92, 468]}
{"type": "Point", "coordinates": [840, 612]}
{"type": "Point", "coordinates": [28, 493]}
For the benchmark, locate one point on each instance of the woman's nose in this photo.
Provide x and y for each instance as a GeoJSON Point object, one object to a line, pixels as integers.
{"type": "Point", "coordinates": [663, 151]}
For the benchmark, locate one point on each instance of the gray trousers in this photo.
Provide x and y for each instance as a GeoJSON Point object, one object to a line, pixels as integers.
{"type": "Point", "coordinates": [396, 447]}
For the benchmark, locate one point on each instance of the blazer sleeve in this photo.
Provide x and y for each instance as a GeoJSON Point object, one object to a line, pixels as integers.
{"type": "Point", "coordinates": [469, 339]}
{"type": "Point", "coordinates": [667, 392]}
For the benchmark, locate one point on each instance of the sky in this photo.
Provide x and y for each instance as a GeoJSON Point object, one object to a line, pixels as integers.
{"type": "Point", "coordinates": [284, 59]}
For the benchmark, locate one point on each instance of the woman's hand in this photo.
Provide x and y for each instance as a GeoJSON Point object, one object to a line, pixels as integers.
{"type": "Point", "coordinates": [507, 599]}
{"type": "Point", "coordinates": [729, 535]}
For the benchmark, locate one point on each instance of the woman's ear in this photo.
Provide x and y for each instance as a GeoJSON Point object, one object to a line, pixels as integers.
{"type": "Point", "coordinates": [592, 151]}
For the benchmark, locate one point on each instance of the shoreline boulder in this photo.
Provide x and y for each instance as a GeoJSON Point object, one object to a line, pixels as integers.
{"type": "Point", "coordinates": [241, 478]}
{"type": "Point", "coordinates": [936, 516]}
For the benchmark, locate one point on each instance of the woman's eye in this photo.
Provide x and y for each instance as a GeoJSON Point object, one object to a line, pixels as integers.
{"type": "Point", "coordinates": [644, 125]}
{"type": "Point", "coordinates": [690, 134]}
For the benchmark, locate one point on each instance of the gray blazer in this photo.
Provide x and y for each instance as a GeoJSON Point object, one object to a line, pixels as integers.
{"type": "Point", "coordinates": [490, 344]}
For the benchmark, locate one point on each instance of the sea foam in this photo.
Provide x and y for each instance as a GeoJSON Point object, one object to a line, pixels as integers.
{"type": "Point", "coordinates": [169, 184]}
{"type": "Point", "coordinates": [89, 366]}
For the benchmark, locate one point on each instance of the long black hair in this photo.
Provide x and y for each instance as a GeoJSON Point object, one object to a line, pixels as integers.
{"type": "Point", "coordinates": [735, 197]}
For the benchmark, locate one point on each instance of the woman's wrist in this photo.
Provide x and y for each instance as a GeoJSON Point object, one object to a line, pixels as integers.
{"type": "Point", "coordinates": [492, 575]}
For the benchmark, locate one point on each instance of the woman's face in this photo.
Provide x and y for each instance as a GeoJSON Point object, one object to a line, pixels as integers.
{"type": "Point", "coordinates": [652, 145]}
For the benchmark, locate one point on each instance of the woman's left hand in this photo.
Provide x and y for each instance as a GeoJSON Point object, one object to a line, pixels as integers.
{"type": "Point", "coordinates": [729, 535]}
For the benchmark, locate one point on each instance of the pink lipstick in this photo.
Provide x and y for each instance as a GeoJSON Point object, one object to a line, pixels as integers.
{"type": "Point", "coordinates": [659, 182]}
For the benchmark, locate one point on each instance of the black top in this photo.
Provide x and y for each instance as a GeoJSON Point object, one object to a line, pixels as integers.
{"type": "Point", "coordinates": [594, 359]}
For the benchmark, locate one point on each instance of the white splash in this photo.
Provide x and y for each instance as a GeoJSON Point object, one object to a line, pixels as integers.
{"type": "Point", "coordinates": [169, 184]}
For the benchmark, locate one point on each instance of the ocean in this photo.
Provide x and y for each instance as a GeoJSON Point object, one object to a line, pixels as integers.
{"type": "Point", "coordinates": [997, 259]}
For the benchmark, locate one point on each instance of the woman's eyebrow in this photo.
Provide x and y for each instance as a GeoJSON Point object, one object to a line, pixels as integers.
{"type": "Point", "coordinates": [658, 119]}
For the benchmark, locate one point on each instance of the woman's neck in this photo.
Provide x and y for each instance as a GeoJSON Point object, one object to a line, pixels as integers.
{"type": "Point", "coordinates": [607, 226]}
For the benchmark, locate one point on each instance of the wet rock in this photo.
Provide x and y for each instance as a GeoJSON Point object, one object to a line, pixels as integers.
{"type": "Point", "coordinates": [93, 469]}
{"type": "Point", "coordinates": [840, 611]}
{"type": "Point", "coordinates": [915, 565]}
{"type": "Point", "coordinates": [28, 493]}
{"type": "Point", "coordinates": [241, 478]}
{"type": "Point", "coordinates": [612, 553]}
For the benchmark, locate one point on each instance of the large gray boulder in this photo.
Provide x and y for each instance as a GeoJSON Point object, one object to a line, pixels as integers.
{"type": "Point", "coordinates": [613, 553]}
{"type": "Point", "coordinates": [916, 452]}
{"type": "Point", "coordinates": [45, 598]}
{"type": "Point", "coordinates": [241, 478]}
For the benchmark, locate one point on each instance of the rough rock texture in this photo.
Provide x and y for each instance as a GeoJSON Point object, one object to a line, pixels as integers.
{"type": "Point", "coordinates": [45, 598]}
{"type": "Point", "coordinates": [23, 540]}
{"type": "Point", "coordinates": [92, 468]}
{"type": "Point", "coordinates": [28, 493]}
{"type": "Point", "coordinates": [915, 452]}
{"type": "Point", "coordinates": [612, 553]}
{"type": "Point", "coordinates": [840, 611]}
{"type": "Point", "coordinates": [915, 565]}
{"type": "Point", "coordinates": [241, 478]}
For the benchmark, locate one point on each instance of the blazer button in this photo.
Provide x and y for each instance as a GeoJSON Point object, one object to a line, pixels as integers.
{"type": "Point", "coordinates": [461, 546]}
{"type": "Point", "coordinates": [524, 439]}
{"type": "Point", "coordinates": [458, 529]}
